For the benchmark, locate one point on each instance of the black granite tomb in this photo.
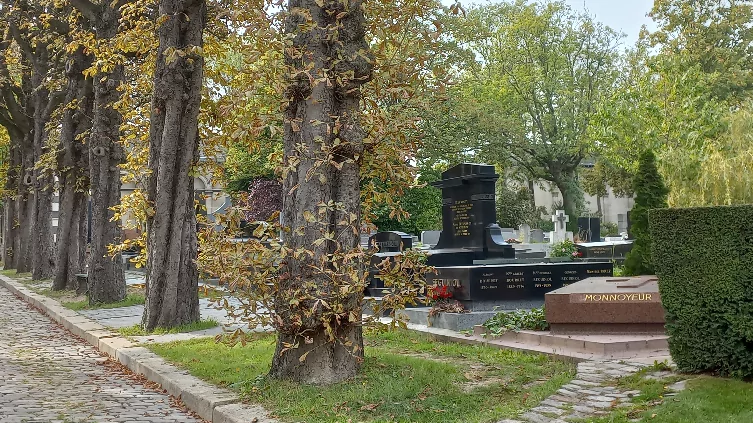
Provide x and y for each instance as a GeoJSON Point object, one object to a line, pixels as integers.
{"type": "Point", "coordinates": [391, 241]}
{"type": "Point", "coordinates": [589, 229]}
{"type": "Point", "coordinates": [616, 251]}
{"type": "Point", "coordinates": [469, 231]}
{"type": "Point", "coordinates": [510, 286]}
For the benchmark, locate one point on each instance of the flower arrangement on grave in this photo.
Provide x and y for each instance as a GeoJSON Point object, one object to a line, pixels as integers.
{"type": "Point", "coordinates": [436, 293]}
{"type": "Point", "coordinates": [440, 298]}
{"type": "Point", "coordinates": [513, 241]}
{"type": "Point", "coordinates": [565, 248]}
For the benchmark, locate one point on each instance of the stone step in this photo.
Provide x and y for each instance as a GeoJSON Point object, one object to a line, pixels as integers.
{"type": "Point", "coordinates": [617, 346]}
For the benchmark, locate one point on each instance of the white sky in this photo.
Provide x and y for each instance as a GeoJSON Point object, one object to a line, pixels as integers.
{"type": "Point", "coordinates": [626, 16]}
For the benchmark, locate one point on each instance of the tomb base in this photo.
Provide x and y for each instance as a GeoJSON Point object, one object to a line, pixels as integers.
{"type": "Point", "coordinates": [605, 305]}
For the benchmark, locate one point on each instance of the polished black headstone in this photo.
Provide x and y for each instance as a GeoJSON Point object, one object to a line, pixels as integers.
{"type": "Point", "coordinates": [391, 241]}
{"type": "Point", "coordinates": [469, 215]}
{"type": "Point", "coordinates": [589, 229]}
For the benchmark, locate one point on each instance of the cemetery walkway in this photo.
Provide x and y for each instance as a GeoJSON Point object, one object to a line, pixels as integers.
{"type": "Point", "coordinates": [48, 375]}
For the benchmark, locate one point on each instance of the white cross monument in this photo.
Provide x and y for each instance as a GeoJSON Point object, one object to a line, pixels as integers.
{"type": "Point", "coordinates": [560, 233]}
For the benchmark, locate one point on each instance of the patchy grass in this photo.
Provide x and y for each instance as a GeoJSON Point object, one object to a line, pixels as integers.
{"type": "Point", "coordinates": [137, 330]}
{"type": "Point", "coordinates": [706, 399]}
{"type": "Point", "coordinates": [131, 299]}
{"type": "Point", "coordinates": [11, 273]}
{"type": "Point", "coordinates": [406, 377]}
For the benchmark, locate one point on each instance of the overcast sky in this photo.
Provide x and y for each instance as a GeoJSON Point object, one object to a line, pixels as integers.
{"type": "Point", "coordinates": [626, 16]}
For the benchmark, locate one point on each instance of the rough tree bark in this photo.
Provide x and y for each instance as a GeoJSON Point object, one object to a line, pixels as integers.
{"type": "Point", "coordinates": [106, 278]}
{"type": "Point", "coordinates": [334, 50]}
{"type": "Point", "coordinates": [42, 256]}
{"type": "Point", "coordinates": [73, 165]}
{"type": "Point", "coordinates": [171, 273]}
{"type": "Point", "coordinates": [14, 118]}
{"type": "Point", "coordinates": [19, 107]}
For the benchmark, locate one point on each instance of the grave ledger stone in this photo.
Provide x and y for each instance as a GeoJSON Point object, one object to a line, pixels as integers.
{"type": "Point", "coordinates": [607, 250]}
{"type": "Point", "coordinates": [605, 305]}
{"type": "Point", "coordinates": [469, 231]}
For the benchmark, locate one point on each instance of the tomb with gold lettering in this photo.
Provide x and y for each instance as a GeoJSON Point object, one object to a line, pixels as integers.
{"type": "Point", "coordinates": [606, 305]}
{"type": "Point", "coordinates": [469, 215]}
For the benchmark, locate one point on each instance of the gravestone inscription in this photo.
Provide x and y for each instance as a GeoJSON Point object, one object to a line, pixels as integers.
{"type": "Point", "coordinates": [391, 241]}
{"type": "Point", "coordinates": [513, 285]}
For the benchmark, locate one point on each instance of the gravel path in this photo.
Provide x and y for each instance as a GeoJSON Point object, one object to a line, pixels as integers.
{"type": "Point", "coordinates": [48, 375]}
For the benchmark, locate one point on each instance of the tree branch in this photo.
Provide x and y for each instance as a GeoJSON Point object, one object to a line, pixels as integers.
{"type": "Point", "coordinates": [88, 9]}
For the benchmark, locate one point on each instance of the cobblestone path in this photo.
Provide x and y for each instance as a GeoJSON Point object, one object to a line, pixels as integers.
{"type": "Point", "coordinates": [47, 375]}
{"type": "Point", "coordinates": [590, 394]}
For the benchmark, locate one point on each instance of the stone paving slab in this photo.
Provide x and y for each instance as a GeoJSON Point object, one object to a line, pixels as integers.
{"type": "Point", "coordinates": [590, 394]}
{"type": "Point", "coordinates": [48, 375]}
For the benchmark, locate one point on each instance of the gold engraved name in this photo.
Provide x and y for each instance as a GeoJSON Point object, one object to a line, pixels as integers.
{"type": "Point", "coordinates": [618, 297]}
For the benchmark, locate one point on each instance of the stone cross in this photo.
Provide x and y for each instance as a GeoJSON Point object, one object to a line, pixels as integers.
{"type": "Point", "coordinates": [562, 218]}
{"type": "Point", "coordinates": [560, 231]}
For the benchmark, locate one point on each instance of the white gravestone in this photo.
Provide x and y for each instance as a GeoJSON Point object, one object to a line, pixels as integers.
{"type": "Point", "coordinates": [559, 234]}
{"type": "Point", "coordinates": [524, 233]}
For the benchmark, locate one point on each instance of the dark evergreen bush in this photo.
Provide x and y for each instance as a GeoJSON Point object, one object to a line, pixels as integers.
{"type": "Point", "coordinates": [650, 193]}
{"type": "Point", "coordinates": [704, 260]}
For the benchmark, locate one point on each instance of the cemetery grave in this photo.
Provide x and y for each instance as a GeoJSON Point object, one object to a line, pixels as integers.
{"type": "Point", "coordinates": [473, 259]}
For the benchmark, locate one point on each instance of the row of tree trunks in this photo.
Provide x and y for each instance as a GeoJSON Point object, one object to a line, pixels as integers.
{"type": "Point", "coordinates": [171, 273]}
{"type": "Point", "coordinates": [73, 164]}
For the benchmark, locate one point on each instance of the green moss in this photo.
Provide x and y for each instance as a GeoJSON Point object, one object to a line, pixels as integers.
{"type": "Point", "coordinates": [704, 261]}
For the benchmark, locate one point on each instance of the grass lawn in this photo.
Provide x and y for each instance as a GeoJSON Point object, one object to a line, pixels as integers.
{"type": "Point", "coordinates": [406, 377]}
{"type": "Point", "coordinates": [706, 399]}
{"type": "Point", "coordinates": [137, 330]}
{"type": "Point", "coordinates": [131, 299]}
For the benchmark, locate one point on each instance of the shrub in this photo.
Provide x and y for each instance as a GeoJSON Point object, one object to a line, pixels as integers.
{"type": "Point", "coordinates": [704, 261]}
{"type": "Point", "coordinates": [650, 194]}
{"type": "Point", "coordinates": [609, 229]}
{"type": "Point", "coordinates": [565, 248]}
{"type": "Point", "coordinates": [534, 319]}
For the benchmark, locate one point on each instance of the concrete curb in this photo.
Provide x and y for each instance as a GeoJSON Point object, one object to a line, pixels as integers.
{"type": "Point", "coordinates": [212, 403]}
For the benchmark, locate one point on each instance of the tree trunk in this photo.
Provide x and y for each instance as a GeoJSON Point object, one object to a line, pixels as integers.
{"type": "Point", "coordinates": [171, 274]}
{"type": "Point", "coordinates": [598, 207]}
{"type": "Point", "coordinates": [11, 230]}
{"type": "Point", "coordinates": [106, 278]}
{"type": "Point", "coordinates": [322, 162]}
{"type": "Point", "coordinates": [572, 198]}
{"type": "Point", "coordinates": [73, 178]}
{"type": "Point", "coordinates": [24, 206]}
{"type": "Point", "coordinates": [42, 264]}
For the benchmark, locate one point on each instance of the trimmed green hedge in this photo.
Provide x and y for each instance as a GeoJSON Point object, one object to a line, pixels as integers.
{"type": "Point", "coordinates": [704, 260]}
